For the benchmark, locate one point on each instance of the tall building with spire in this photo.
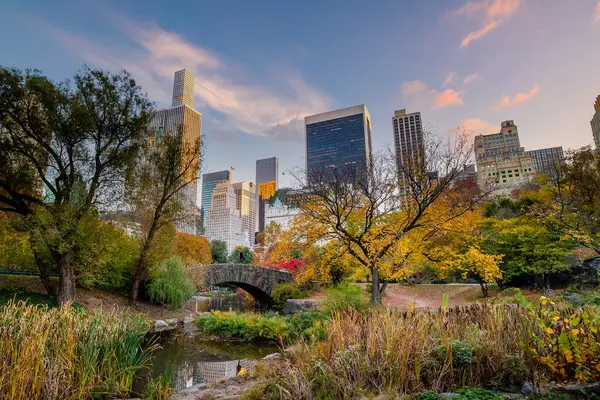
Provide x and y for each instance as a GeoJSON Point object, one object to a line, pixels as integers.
{"type": "Point", "coordinates": [184, 120]}
{"type": "Point", "coordinates": [596, 123]}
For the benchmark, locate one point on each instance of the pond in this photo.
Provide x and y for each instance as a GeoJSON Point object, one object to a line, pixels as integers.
{"type": "Point", "coordinates": [225, 300]}
{"type": "Point", "coordinates": [194, 360]}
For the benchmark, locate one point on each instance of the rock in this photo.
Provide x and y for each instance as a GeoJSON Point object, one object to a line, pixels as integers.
{"type": "Point", "coordinates": [160, 324]}
{"type": "Point", "coordinates": [273, 356]}
{"type": "Point", "coordinates": [189, 319]}
{"type": "Point", "coordinates": [586, 388]}
{"type": "Point", "coordinates": [528, 389]}
{"type": "Point", "coordinates": [203, 314]}
{"type": "Point", "coordinates": [172, 321]}
{"type": "Point", "coordinates": [293, 306]}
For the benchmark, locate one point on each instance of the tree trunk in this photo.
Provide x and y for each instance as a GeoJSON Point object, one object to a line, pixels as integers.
{"type": "Point", "coordinates": [375, 292]}
{"type": "Point", "coordinates": [42, 267]}
{"type": "Point", "coordinates": [135, 288]}
{"type": "Point", "coordinates": [500, 284]}
{"type": "Point", "coordinates": [484, 288]}
{"type": "Point", "coordinates": [66, 292]}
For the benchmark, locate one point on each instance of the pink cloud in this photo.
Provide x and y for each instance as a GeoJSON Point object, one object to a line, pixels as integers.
{"type": "Point", "coordinates": [421, 96]}
{"type": "Point", "coordinates": [519, 98]}
{"type": "Point", "coordinates": [446, 98]}
{"type": "Point", "coordinates": [470, 78]}
{"type": "Point", "coordinates": [598, 12]}
{"type": "Point", "coordinates": [477, 125]}
{"type": "Point", "coordinates": [497, 12]}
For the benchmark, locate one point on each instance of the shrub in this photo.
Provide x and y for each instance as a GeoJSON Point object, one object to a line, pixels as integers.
{"type": "Point", "coordinates": [344, 296]}
{"type": "Point", "coordinates": [284, 291]}
{"type": "Point", "coordinates": [68, 353]}
{"type": "Point", "coordinates": [171, 284]}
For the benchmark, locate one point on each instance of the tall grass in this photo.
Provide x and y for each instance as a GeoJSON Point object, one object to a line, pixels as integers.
{"type": "Point", "coordinates": [67, 353]}
{"type": "Point", "coordinates": [395, 352]}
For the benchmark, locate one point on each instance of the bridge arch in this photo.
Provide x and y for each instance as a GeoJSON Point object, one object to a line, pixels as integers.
{"type": "Point", "coordinates": [258, 281]}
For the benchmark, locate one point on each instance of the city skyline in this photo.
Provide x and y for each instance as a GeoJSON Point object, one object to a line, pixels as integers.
{"type": "Point", "coordinates": [254, 98]}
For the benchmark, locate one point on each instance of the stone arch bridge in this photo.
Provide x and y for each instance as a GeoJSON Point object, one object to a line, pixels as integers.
{"type": "Point", "coordinates": [257, 281]}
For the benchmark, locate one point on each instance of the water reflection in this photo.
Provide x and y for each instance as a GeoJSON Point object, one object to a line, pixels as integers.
{"type": "Point", "coordinates": [193, 360]}
{"type": "Point", "coordinates": [222, 301]}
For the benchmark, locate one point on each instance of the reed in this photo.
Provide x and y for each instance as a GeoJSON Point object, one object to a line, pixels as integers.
{"type": "Point", "coordinates": [68, 353]}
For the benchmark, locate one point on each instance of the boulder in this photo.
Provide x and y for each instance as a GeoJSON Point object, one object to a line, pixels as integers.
{"type": "Point", "coordinates": [171, 321]}
{"type": "Point", "coordinates": [160, 324]}
{"type": "Point", "coordinates": [293, 306]}
{"type": "Point", "coordinates": [273, 356]}
{"type": "Point", "coordinates": [188, 319]}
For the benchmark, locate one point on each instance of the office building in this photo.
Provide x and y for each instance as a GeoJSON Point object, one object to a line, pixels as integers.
{"type": "Point", "coordinates": [184, 120]}
{"type": "Point", "coordinates": [267, 173]}
{"type": "Point", "coordinates": [595, 122]}
{"type": "Point", "coordinates": [408, 140]}
{"type": "Point", "coordinates": [502, 164]}
{"type": "Point", "coordinates": [546, 161]}
{"type": "Point", "coordinates": [209, 182]}
{"type": "Point", "coordinates": [245, 203]}
{"type": "Point", "coordinates": [281, 209]}
{"type": "Point", "coordinates": [339, 139]}
{"type": "Point", "coordinates": [183, 89]}
{"type": "Point", "coordinates": [223, 221]}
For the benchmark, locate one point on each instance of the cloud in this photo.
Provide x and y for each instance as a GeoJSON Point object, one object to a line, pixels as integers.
{"type": "Point", "coordinates": [495, 13]}
{"type": "Point", "coordinates": [152, 55]}
{"type": "Point", "coordinates": [449, 79]}
{"type": "Point", "coordinates": [470, 78]}
{"type": "Point", "coordinates": [477, 126]}
{"type": "Point", "coordinates": [420, 94]}
{"type": "Point", "coordinates": [506, 101]}
{"type": "Point", "coordinates": [597, 17]}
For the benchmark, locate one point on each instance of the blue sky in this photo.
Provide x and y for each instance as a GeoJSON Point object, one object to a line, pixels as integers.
{"type": "Point", "coordinates": [261, 66]}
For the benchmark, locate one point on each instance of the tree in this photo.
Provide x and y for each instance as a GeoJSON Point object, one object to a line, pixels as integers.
{"type": "Point", "coordinates": [475, 264]}
{"type": "Point", "coordinates": [192, 249]}
{"type": "Point", "coordinates": [71, 142]}
{"type": "Point", "coordinates": [218, 251]}
{"type": "Point", "coordinates": [571, 200]}
{"type": "Point", "coordinates": [241, 255]}
{"type": "Point", "coordinates": [157, 190]}
{"type": "Point", "coordinates": [371, 212]}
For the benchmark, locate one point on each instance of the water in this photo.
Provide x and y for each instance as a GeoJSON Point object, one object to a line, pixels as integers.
{"type": "Point", "coordinates": [194, 360]}
{"type": "Point", "coordinates": [223, 301]}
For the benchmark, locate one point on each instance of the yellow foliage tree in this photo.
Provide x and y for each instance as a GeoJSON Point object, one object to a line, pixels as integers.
{"type": "Point", "coordinates": [192, 249]}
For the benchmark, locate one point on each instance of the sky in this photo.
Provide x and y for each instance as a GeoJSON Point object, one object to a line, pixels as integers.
{"type": "Point", "coordinates": [262, 66]}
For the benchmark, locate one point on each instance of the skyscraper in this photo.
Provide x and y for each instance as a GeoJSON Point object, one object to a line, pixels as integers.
{"type": "Point", "coordinates": [245, 203]}
{"type": "Point", "coordinates": [502, 164]}
{"type": "Point", "coordinates": [339, 139]}
{"type": "Point", "coordinates": [408, 139]}
{"type": "Point", "coordinates": [547, 160]}
{"type": "Point", "coordinates": [596, 123]}
{"type": "Point", "coordinates": [267, 173]}
{"type": "Point", "coordinates": [209, 182]}
{"type": "Point", "coordinates": [183, 119]}
{"type": "Point", "coordinates": [223, 220]}
{"type": "Point", "coordinates": [183, 89]}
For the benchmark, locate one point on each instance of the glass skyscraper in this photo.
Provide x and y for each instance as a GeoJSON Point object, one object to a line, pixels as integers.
{"type": "Point", "coordinates": [209, 182]}
{"type": "Point", "coordinates": [267, 172]}
{"type": "Point", "coordinates": [339, 139]}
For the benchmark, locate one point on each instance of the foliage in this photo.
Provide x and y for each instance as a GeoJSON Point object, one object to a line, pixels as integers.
{"type": "Point", "coordinates": [218, 251]}
{"type": "Point", "coordinates": [15, 247]}
{"type": "Point", "coordinates": [156, 187]}
{"type": "Point", "coordinates": [162, 245]}
{"type": "Point", "coordinates": [284, 291]}
{"type": "Point", "coordinates": [192, 249]}
{"type": "Point", "coordinates": [271, 327]}
{"type": "Point", "coordinates": [241, 255]}
{"type": "Point", "coordinates": [77, 140]}
{"type": "Point", "coordinates": [65, 353]}
{"type": "Point", "coordinates": [442, 351]}
{"type": "Point", "coordinates": [171, 284]}
{"type": "Point", "coordinates": [582, 298]}
{"type": "Point", "coordinates": [344, 296]}
{"type": "Point", "coordinates": [361, 209]}
{"type": "Point", "coordinates": [161, 387]}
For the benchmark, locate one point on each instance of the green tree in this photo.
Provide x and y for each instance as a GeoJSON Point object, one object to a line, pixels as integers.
{"type": "Point", "coordinates": [72, 142]}
{"type": "Point", "coordinates": [156, 191]}
{"type": "Point", "coordinates": [170, 284]}
{"type": "Point", "coordinates": [241, 255]}
{"type": "Point", "coordinates": [218, 251]}
{"type": "Point", "coordinates": [192, 249]}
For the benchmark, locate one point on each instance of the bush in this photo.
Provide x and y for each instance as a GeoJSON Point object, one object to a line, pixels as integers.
{"type": "Point", "coordinates": [171, 284]}
{"type": "Point", "coordinates": [344, 296]}
{"type": "Point", "coordinates": [284, 291]}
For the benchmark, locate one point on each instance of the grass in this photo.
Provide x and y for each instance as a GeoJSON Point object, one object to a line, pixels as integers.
{"type": "Point", "coordinates": [68, 353]}
{"type": "Point", "coordinates": [396, 353]}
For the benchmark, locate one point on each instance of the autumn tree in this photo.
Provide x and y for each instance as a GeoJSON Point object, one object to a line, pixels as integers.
{"type": "Point", "coordinates": [241, 255]}
{"type": "Point", "coordinates": [71, 142]}
{"type": "Point", "coordinates": [372, 211]}
{"type": "Point", "coordinates": [192, 249]}
{"type": "Point", "coordinates": [157, 190]}
{"type": "Point", "coordinates": [218, 251]}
